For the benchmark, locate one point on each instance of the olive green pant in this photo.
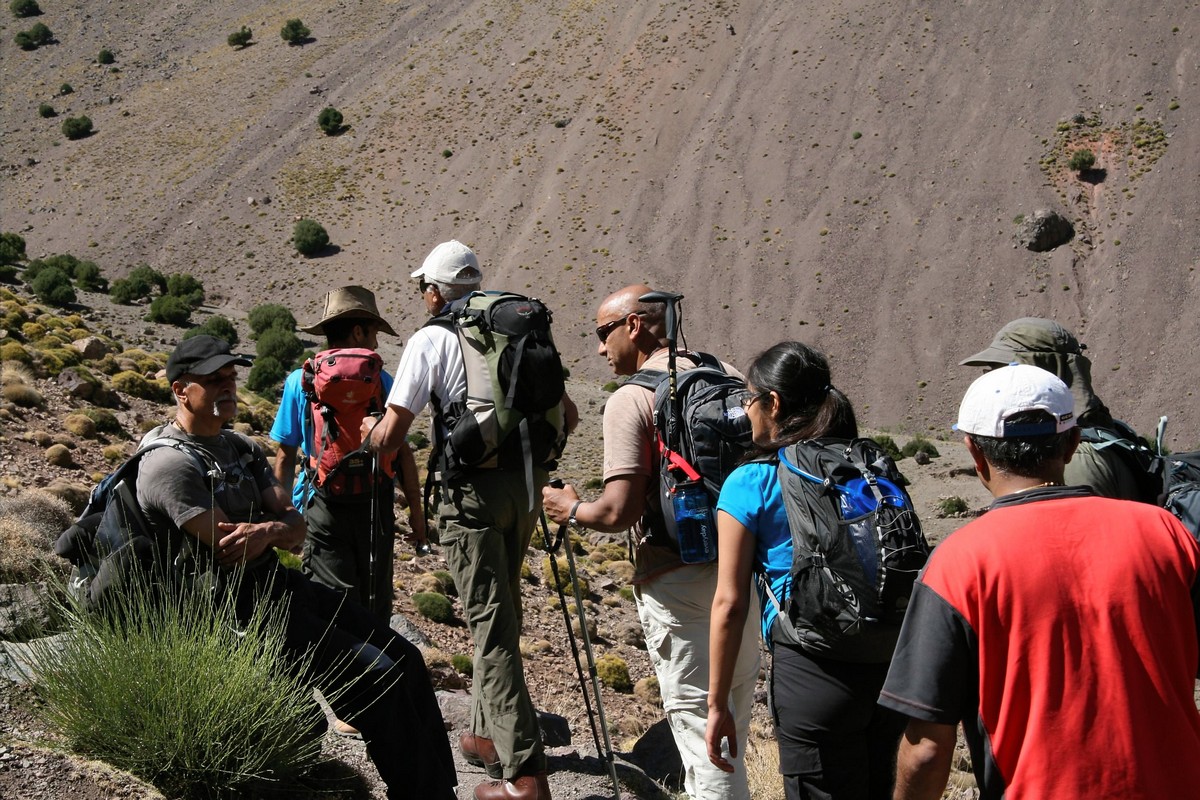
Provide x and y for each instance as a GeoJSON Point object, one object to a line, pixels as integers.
{"type": "Point", "coordinates": [485, 526]}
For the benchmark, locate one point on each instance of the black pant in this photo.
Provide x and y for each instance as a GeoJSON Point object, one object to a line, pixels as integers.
{"type": "Point", "coordinates": [835, 743]}
{"type": "Point", "coordinates": [374, 678]}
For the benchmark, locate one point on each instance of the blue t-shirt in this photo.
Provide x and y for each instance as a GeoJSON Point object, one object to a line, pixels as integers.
{"type": "Point", "coordinates": [293, 427]}
{"type": "Point", "coordinates": [751, 496]}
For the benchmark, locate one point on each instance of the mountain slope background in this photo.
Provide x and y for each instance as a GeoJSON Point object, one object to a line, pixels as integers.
{"type": "Point", "coordinates": [847, 173]}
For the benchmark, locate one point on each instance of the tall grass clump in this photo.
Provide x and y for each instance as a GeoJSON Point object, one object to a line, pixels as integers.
{"type": "Point", "coordinates": [170, 686]}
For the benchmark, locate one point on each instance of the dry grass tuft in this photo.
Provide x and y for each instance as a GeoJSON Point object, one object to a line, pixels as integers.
{"type": "Point", "coordinates": [29, 524]}
{"type": "Point", "coordinates": [23, 395]}
{"type": "Point", "coordinates": [15, 372]}
{"type": "Point", "coordinates": [762, 762]}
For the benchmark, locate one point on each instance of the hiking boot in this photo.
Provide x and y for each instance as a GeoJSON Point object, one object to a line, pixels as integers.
{"type": "Point", "coordinates": [525, 787]}
{"type": "Point", "coordinates": [481, 752]}
{"type": "Point", "coordinates": [346, 729]}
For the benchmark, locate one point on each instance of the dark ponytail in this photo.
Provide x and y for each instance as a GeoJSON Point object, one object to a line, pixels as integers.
{"type": "Point", "coordinates": [809, 405]}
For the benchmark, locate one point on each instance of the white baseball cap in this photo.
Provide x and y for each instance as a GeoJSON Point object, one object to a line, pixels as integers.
{"type": "Point", "coordinates": [451, 263]}
{"type": "Point", "coordinates": [996, 396]}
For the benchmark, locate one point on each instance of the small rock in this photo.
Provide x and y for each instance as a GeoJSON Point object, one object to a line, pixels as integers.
{"type": "Point", "coordinates": [1045, 230]}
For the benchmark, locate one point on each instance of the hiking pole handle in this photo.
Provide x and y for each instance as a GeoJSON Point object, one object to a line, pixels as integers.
{"type": "Point", "coordinates": [671, 299]}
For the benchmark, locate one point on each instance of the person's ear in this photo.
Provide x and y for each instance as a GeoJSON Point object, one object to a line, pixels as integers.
{"type": "Point", "coordinates": [1073, 445]}
{"type": "Point", "coordinates": [982, 468]}
{"type": "Point", "coordinates": [179, 390]}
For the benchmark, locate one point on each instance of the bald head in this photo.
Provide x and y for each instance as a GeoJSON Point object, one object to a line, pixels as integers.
{"type": "Point", "coordinates": [624, 302]}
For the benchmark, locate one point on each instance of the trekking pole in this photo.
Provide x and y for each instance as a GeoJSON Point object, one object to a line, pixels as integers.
{"type": "Point", "coordinates": [671, 299]}
{"type": "Point", "coordinates": [587, 647]}
{"type": "Point", "coordinates": [371, 537]}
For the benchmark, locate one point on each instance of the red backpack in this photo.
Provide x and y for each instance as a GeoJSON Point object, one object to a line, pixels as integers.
{"type": "Point", "coordinates": [342, 386]}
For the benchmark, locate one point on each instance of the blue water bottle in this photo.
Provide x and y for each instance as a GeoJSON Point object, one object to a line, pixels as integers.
{"type": "Point", "coordinates": [694, 523]}
{"type": "Point", "coordinates": [855, 502]}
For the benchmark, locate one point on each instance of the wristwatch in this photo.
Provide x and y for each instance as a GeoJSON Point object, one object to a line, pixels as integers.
{"type": "Point", "coordinates": [571, 516]}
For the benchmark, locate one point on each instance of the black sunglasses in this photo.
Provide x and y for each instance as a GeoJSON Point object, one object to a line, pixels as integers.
{"type": "Point", "coordinates": [425, 286]}
{"type": "Point", "coordinates": [604, 330]}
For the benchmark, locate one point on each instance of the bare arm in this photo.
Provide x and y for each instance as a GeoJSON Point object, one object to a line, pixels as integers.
{"type": "Point", "coordinates": [242, 542]}
{"type": "Point", "coordinates": [731, 603]}
{"type": "Point", "coordinates": [285, 466]}
{"type": "Point", "coordinates": [923, 764]}
{"type": "Point", "coordinates": [388, 435]}
{"type": "Point", "coordinates": [621, 504]}
{"type": "Point", "coordinates": [570, 413]}
{"type": "Point", "coordinates": [411, 484]}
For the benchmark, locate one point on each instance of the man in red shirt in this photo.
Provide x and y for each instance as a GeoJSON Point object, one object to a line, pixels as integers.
{"type": "Point", "coordinates": [1060, 628]}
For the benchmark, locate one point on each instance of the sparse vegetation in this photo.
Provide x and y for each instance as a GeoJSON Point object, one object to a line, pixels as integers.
{"type": "Point", "coordinates": [889, 446]}
{"type": "Point", "coordinates": [294, 32]}
{"type": "Point", "coordinates": [280, 344]}
{"type": "Point", "coordinates": [240, 38]}
{"type": "Point", "coordinates": [919, 444]}
{"type": "Point", "coordinates": [187, 288]}
{"type": "Point", "coordinates": [614, 672]}
{"type": "Point", "coordinates": [170, 310]}
{"type": "Point", "coordinates": [105, 56]}
{"type": "Point", "coordinates": [951, 506]}
{"type": "Point", "coordinates": [462, 664]}
{"type": "Point", "coordinates": [46, 111]}
{"type": "Point", "coordinates": [12, 248]}
{"type": "Point", "coordinates": [29, 524]}
{"type": "Point", "coordinates": [53, 287]}
{"type": "Point", "coordinates": [267, 316]}
{"type": "Point", "coordinates": [139, 285]}
{"type": "Point", "coordinates": [434, 607]}
{"type": "Point", "coordinates": [309, 238]}
{"type": "Point", "coordinates": [66, 89]}
{"type": "Point", "coordinates": [330, 121]}
{"type": "Point", "coordinates": [218, 326]}
{"type": "Point", "coordinates": [24, 8]}
{"type": "Point", "coordinates": [77, 127]}
{"type": "Point", "coordinates": [266, 376]}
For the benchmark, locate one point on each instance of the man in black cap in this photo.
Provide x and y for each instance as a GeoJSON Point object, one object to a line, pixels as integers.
{"type": "Point", "coordinates": [1110, 457]}
{"type": "Point", "coordinates": [349, 542]}
{"type": "Point", "coordinates": [231, 518]}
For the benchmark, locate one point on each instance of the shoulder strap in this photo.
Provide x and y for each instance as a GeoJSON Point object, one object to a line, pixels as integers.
{"type": "Point", "coordinates": [647, 378]}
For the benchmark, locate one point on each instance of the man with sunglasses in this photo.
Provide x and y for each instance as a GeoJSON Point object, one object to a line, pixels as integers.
{"type": "Point", "coordinates": [674, 600]}
{"type": "Point", "coordinates": [231, 519]}
{"type": "Point", "coordinates": [485, 526]}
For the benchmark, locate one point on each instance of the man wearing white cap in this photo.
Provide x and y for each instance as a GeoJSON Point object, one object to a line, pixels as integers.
{"type": "Point", "coordinates": [1059, 628]}
{"type": "Point", "coordinates": [486, 525]}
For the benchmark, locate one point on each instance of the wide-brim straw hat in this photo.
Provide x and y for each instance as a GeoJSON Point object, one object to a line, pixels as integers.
{"type": "Point", "coordinates": [349, 302]}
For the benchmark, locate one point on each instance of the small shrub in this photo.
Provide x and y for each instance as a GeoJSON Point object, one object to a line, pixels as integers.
{"type": "Point", "coordinates": [105, 421]}
{"type": "Point", "coordinates": [447, 153]}
{"type": "Point", "coordinates": [626, 593]}
{"type": "Point", "coordinates": [218, 326]}
{"type": "Point", "coordinates": [462, 664]}
{"type": "Point", "coordinates": [269, 315]}
{"type": "Point", "coordinates": [29, 524]}
{"type": "Point", "coordinates": [330, 120]}
{"type": "Point", "coordinates": [919, 444]}
{"type": "Point", "coordinates": [66, 89]}
{"type": "Point", "coordinates": [281, 344]}
{"type": "Point", "coordinates": [105, 56]}
{"type": "Point", "coordinates": [22, 395]}
{"type": "Point", "coordinates": [41, 34]}
{"type": "Point", "coordinates": [46, 111]}
{"type": "Point", "coordinates": [148, 275]}
{"type": "Point", "coordinates": [130, 677]}
{"type": "Point", "coordinates": [14, 352]}
{"type": "Point", "coordinates": [24, 40]}
{"type": "Point", "coordinates": [1082, 160]}
{"type": "Point", "coordinates": [610, 387]}
{"type": "Point", "coordinates": [59, 455]}
{"type": "Point", "coordinates": [186, 288]}
{"type": "Point", "coordinates": [417, 440]}
{"type": "Point", "coordinates": [24, 8]}
{"type": "Point", "coordinates": [77, 127]}
{"type": "Point", "coordinates": [80, 425]}
{"type": "Point", "coordinates": [240, 38]}
{"type": "Point", "coordinates": [951, 506]}
{"type": "Point", "coordinates": [447, 581]}
{"type": "Point", "coordinates": [889, 446]}
{"type": "Point", "coordinates": [614, 672]}
{"type": "Point", "coordinates": [89, 279]}
{"type": "Point", "coordinates": [434, 607]}
{"type": "Point", "coordinates": [137, 385]}
{"type": "Point", "coordinates": [266, 376]}
{"type": "Point", "coordinates": [170, 310]}
{"type": "Point", "coordinates": [53, 287]}
{"type": "Point", "coordinates": [12, 248]}
{"type": "Point", "coordinates": [309, 238]}
{"type": "Point", "coordinates": [139, 285]}
{"type": "Point", "coordinates": [294, 32]}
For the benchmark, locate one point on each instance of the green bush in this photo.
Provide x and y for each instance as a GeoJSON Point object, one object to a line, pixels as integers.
{"type": "Point", "coordinates": [144, 273]}
{"type": "Point", "coordinates": [1082, 160]}
{"type": "Point", "coordinates": [105, 56]}
{"type": "Point", "coordinates": [53, 287]}
{"type": "Point", "coordinates": [462, 664]}
{"type": "Point", "coordinates": [12, 248]}
{"type": "Point", "coordinates": [77, 127]}
{"type": "Point", "coordinates": [41, 34]}
{"type": "Point", "coordinates": [266, 376]}
{"type": "Point", "coordinates": [281, 344]}
{"type": "Point", "coordinates": [170, 310]}
{"type": "Point", "coordinates": [140, 284]}
{"type": "Point", "coordinates": [330, 120]}
{"type": "Point", "coordinates": [88, 278]}
{"type": "Point", "coordinates": [137, 385]}
{"type": "Point", "coordinates": [24, 8]}
{"type": "Point", "coordinates": [447, 580]}
{"type": "Point", "coordinates": [106, 421]}
{"type": "Point", "coordinates": [614, 672]}
{"type": "Point", "coordinates": [175, 688]}
{"type": "Point", "coordinates": [217, 326]}
{"type": "Point", "coordinates": [294, 32]}
{"type": "Point", "coordinates": [66, 89]}
{"type": "Point", "coordinates": [267, 316]}
{"type": "Point", "coordinates": [309, 238]}
{"type": "Point", "coordinates": [8, 274]}
{"type": "Point", "coordinates": [889, 446]}
{"type": "Point", "coordinates": [434, 607]}
{"type": "Point", "coordinates": [919, 444]}
{"type": "Point", "coordinates": [24, 40]}
{"type": "Point", "coordinates": [240, 38]}
{"type": "Point", "coordinates": [951, 506]}
{"type": "Point", "coordinates": [186, 288]}
{"type": "Point", "coordinates": [46, 111]}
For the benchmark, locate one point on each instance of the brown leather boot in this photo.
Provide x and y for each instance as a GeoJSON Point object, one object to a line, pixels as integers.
{"type": "Point", "coordinates": [480, 751]}
{"type": "Point", "coordinates": [525, 787]}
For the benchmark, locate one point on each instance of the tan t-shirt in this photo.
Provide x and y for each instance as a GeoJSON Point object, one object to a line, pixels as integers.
{"type": "Point", "coordinates": [631, 448]}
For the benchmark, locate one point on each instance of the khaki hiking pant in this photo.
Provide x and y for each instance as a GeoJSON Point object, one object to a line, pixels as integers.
{"type": "Point", "coordinates": [484, 528]}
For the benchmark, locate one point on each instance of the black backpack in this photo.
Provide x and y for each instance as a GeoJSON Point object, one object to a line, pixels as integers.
{"type": "Point", "coordinates": [857, 547]}
{"type": "Point", "coordinates": [713, 435]}
{"type": "Point", "coordinates": [512, 416]}
{"type": "Point", "coordinates": [1146, 466]}
{"type": "Point", "coordinates": [1182, 484]}
{"type": "Point", "coordinates": [112, 539]}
